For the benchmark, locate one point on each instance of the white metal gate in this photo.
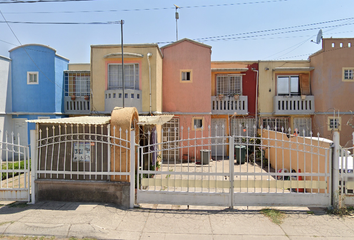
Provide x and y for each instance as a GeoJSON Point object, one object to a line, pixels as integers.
{"type": "Point", "coordinates": [255, 171]}
{"type": "Point", "coordinates": [218, 130]}
{"type": "Point", "coordinates": [14, 169]}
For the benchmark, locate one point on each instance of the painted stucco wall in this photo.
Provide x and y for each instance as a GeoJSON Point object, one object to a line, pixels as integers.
{"type": "Point", "coordinates": [248, 79]}
{"type": "Point", "coordinates": [331, 93]}
{"type": "Point", "coordinates": [267, 82]}
{"type": "Point", "coordinates": [5, 85]}
{"type": "Point", "coordinates": [99, 76]}
{"type": "Point", "coordinates": [79, 66]}
{"type": "Point", "coordinates": [186, 97]}
{"type": "Point", "coordinates": [45, 97]}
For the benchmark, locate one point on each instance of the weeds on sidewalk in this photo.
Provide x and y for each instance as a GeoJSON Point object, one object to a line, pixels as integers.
{"type": "Point", "coordinates": [341, 212]}
{"type": "Point", "coordinates": [18, 205]}
{"type": "Point", "coordinates": [275, 215]}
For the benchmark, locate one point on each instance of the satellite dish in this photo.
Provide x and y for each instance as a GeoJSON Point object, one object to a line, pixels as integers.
{"type": "Point", "coordinates": [319, 37]}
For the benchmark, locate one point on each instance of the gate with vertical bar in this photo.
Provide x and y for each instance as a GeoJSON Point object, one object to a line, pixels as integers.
{"type": "Point", "coordinates": [14, 169]}
{"type": "Point", "coordinates": [269, 169]}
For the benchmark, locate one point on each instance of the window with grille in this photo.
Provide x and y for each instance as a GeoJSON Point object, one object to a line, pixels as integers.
{"type": "Point", "coordinates": [229, 84]}
{"type": "Point", "coordinates": [334, 123]}
{"type": "Point", "coordinates": [197, 123]}
{"type": "Point", "coordinates": [131, 76]}
{"type": "Point", "coordinates": [288, 85]}
{"type": "Point", "coordinates": [243, 127]}
{"type": "Point", "coordinates": [77, 83]}
{"type": "Point", "coordinates": [276, 124]}
{"type": "Point", "coordinates": [303, 126]}
{"type": "Point", "coordinates": [348, 74]}
{"type": "Point", "coordinates": [32, 77]}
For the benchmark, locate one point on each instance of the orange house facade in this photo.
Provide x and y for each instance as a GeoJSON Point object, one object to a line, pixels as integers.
{"type": "Point", "coordinates": [186, 93]}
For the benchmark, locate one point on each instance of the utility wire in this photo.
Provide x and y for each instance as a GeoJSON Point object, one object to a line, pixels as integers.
{"type": "Point", "coordinates": [41, 1]}
{"type": "Point", "coordinates": [144, 9]}
{"type": "Point", "coordinates": [62, 23]}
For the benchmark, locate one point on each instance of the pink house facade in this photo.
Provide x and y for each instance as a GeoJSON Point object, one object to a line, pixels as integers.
{"type": "Point", "coordinates": [186, 93]}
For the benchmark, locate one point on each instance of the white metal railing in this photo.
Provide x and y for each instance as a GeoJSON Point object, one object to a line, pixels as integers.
{"type": "Point", "coordinates": [254, 171]}
{"type": "Point", "coordinates": [79, 105]}
{"type": "Point", "coordinates": [229, 105]}
{"type": "Point", "coordinates": [346, 175]}
{"type": "Point", "coordinates": [14, 169]}
{"type": "Point", "coordinates": [114, 98]}
{"type": "Point", "coordinates": [294, 105]}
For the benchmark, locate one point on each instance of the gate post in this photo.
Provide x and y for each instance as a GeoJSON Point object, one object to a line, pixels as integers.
{"type": "Point", "coordinates": [335, 171]}
{"type": "Point", "coordinates": [34, 160]}
{"type": "Point", "coordinates": [231, 169]}
{"type": "Point", "coordinates": [132, 169]}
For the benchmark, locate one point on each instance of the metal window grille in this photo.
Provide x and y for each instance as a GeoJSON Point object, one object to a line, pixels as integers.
{"type": "Point", "coordinates": [170, 136]}
{"type": "Point", "coordinates": [243, 127]}
{"type": "Point", "coordinates": [198, 123]}
{"type": "Point", "coordinates": [77, 83]}
{"type": "Point", "coordinates": [131, 76]}
{"type": "Point", "coordinates": [348, 74]}
{"type": "Point", "coordinates": [334, 123]}
{"type": "Point", "coordinates": [303, 126]}
{"type": "Point", "coordinates": [276, 124]}
{"type": "Point", "coordinates": [229, 84]}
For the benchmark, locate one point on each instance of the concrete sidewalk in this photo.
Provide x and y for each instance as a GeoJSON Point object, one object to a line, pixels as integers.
{"type": "Point", "coordinates": [105, 221]}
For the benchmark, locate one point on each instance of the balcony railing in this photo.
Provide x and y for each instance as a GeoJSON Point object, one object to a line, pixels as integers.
{"type": "Point", "coordinates": [294, 105]}
{"type": "Point", "coordinates": [77, 106]}
{"type": "Point", "coordinates": [114, 98]}
{"type": "Point", "coordinates": [229, 105]}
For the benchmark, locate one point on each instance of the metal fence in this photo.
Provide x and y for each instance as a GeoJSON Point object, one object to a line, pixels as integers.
{"type": "Point", "coordinates": [270, 168]}
{"type": "Point", "coordinates": [14, 169]}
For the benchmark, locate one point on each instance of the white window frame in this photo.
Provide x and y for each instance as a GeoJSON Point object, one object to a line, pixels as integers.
{"type": "Point", "coordinates": [197, 126]}
{"type": "Point", "coordinates": [232, 84]}
{"type": "Point", "coordinates": [29, 77]}
{"type": "Point", "coordinates": [289, 93]}
{"type": "Point", "coordinates": [131, 76]}
{"type": "Point", "coordinates": [348, 74]}
{"type": "Point", "coordinates": [298, 122]}
{"type": "Point", "coordinates": [336, 121]}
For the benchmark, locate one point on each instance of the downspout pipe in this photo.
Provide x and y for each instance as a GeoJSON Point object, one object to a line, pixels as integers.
{"type": "Point", "coordinates": [256, 103]}
{"type": "Point", "coordinates": [148, 59]}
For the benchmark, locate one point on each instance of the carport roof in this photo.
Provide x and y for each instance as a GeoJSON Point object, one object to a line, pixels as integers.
{"type": "Point", "coordinates": [93, 120]}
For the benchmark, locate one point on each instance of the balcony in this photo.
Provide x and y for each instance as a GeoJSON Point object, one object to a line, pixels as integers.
{"type": "Point", "coordinates": [228, 105]}
{"type": "Point", "coordinates": [114, 98]}
{"type": "Point", "coordinates": [294, 105]}
{"type": "Point", "coordinates": [77, 106]}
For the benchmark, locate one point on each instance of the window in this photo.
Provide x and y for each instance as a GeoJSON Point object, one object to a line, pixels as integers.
{"type": "Point", "coordinates": [131, 76]}
{"type": "Point", "coordinates": [228, 84]}
{"type": "Point", "coordinates": [276, 124]}
{"type": "Point", "coordinates": [186, 75]}
{"type": "Point", "coordinates": [334, 123]}
{"type": "Point", "coordinates": [303, 126]}
{"type": "Point", "coordinates": [77, 83]}
{"type": "Point", "coordinates": [288, 85]}
{"type": "Point", "coordinates": [243, 127]}
{"type": "Point", "coordinates": [197, 123]}
{"type": "Point", "coordinates": [32, 77]}
{"type": "Point", "coordinates": [348, 74]}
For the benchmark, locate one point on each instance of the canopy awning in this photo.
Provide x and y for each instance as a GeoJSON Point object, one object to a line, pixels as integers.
{"type": "Point", "coordinates": [154, 120]}
{"type": "Point", "coordinates": [93, 120]}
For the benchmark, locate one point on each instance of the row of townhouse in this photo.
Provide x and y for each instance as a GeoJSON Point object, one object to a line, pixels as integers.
{"type": "Point", "coordinates": [309, 95]}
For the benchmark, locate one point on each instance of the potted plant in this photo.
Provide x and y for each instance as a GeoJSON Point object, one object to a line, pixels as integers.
{"type": "Point", "coordinates": [236, 96]}
{"type": "Point", "coordinates": [221, 96]}
{"type": "Point", "coordinates": [303, 97]}
{"type": "Point", "coordinates": [86, 97]}
{"type": "Point", "coordinates": [73, 97]}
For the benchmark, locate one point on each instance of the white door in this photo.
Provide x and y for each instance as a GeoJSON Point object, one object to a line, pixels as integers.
{"type": "Point", "coordinates": [218, 130]}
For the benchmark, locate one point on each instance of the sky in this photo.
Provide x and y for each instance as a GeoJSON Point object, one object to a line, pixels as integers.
{"type": "Point", "coordinates": [236, 30]}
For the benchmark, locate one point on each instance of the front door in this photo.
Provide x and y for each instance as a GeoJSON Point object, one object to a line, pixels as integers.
{"type": "Point", "coordinates": [218, 130]}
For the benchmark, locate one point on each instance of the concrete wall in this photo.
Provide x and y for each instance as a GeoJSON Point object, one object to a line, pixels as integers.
{"type": "Point", "coordinates": [79, 66]}
{"type": "Point", "coordinates": [192, 96]}
{"type": "Point", "coordinates": [5, 85]}
{"type": "Point", "coordinates": [268, 82]}
{"type": "Point", "coordinates": [99, 77]}
{"type": "Point", "coordinates": [83, 191]}
{"type": "Point", "coordinates": [331, 93]}
{"type": "Point", "coordinates": [297, 153]}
